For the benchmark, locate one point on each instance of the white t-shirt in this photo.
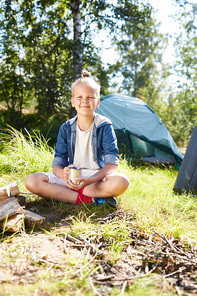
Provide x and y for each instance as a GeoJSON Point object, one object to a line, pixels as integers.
{"type": "Point", "coordinates": [83, 156]}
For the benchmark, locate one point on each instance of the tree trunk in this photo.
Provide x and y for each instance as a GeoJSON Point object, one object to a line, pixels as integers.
{"type": "Point", "coordinates": [77, 44]}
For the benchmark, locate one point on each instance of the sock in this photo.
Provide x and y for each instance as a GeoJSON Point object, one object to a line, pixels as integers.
{"type": "Point", "coordinates": [82, 198]}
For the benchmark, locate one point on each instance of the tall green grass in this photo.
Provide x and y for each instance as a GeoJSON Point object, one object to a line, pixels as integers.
{"type": "Point", "coordinates": [24, 153]}
{"type": "Point", "coordinates": [150, 197]}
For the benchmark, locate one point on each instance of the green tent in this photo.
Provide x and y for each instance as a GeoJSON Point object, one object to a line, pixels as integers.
{"type": "Point", "coordinates": [140, 132]}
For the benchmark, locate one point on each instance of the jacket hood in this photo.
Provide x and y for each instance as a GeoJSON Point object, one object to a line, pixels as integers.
{"type": "Point", "coordinates": [99, 120]}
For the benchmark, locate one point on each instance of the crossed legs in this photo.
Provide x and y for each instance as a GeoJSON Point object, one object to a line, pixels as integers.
{"type": "Point", "coordinates": [114, 185]}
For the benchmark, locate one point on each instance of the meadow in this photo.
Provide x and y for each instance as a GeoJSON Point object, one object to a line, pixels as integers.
{"type": "Point", "coordinates": [88, 250]}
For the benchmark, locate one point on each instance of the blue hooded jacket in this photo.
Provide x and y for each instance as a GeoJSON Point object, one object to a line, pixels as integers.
{"type": "Point", "coordinates": [104, 142]}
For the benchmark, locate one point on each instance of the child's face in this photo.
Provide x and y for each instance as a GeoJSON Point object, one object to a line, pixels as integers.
{"type": "Point", "coordinates": [84, 99]}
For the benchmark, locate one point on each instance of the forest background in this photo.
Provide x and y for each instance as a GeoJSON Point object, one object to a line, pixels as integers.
{"type": "Point", "coordinates": [44, 44]}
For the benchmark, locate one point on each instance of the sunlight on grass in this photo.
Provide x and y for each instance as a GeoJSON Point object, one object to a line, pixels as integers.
{"type": "Point", "coordinates": [147, 287]}
{"type": "Point", "coordinates": [115, 234]}
{"type": "Point", "coordinates": [151, 198]}
{"type": "Point", "coordinates": [26, 154]}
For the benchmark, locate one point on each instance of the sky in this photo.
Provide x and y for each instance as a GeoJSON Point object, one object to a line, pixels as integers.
{"type": "Point", "coordinates": [165, 9]}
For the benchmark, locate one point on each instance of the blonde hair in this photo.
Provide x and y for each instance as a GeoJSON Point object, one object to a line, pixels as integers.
{"type": "Point", "coordinates": [86, 79]}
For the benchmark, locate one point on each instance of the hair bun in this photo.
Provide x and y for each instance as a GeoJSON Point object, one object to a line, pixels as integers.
{"type": "Point", "coordinates": [85, 79]}
{"type": "Point", "coordinates": [85, 73]}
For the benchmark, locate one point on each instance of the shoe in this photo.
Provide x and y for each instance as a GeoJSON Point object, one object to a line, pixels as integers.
{"type": "Point", "coordinates": [107, 202]}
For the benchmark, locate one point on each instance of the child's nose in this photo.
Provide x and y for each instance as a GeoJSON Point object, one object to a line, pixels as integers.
{"type": "Point", "coordinates": [85, 100]}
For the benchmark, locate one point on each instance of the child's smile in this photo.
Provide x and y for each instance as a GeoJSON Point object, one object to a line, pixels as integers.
{"type": "Point", "coordinates": [84, 99]}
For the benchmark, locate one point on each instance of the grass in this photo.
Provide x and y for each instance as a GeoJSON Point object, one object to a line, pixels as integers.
{"type": "Point", "coordinates": [152, 200]}
{"type": "Point", "coordinates": [149, 200]}
{"type": "Point", "coordinates": [24, 153]}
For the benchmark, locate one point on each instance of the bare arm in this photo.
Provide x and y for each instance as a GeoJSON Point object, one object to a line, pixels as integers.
{"type": "Point", "coordinates": [108, 169]}
{"type": "Point", "coordinates": [62, 173]}
{"type": "Point", "coordinates": [58, 170]}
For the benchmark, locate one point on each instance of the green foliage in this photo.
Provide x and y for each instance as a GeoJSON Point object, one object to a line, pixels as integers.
{"type": "Point", "coordinates": [140, 47]}
{"type": "Point", "coordinates": [34, 122]}
{"type": "Point", "coordinates": [43, 48]}
{"type": "Point", "coordinates": [50, 128]}
{"type": "Point", "coordinates": [48, 51]}
{"type": "Point", "coordinates": [182, 105]}
{"type": "Point", "coordinates": [181, 119]}
{"type": "Point", "coordinates": [37, 52]}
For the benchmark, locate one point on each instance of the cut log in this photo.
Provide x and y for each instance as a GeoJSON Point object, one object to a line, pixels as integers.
{"type": "Point", "coordinates": [3, 194]}
{"type": "Point", "coordinates": [9, 191]}
{"type": "Point", "coordinates": [13, 223]}
{"type": "Point", "coordinates": [9, 207]}
{"type": "Point", "coordinates": [32, 219]}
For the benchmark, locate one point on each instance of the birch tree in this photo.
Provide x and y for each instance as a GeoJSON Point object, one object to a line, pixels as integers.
{"type": "Point", "coordinates": [56, 39]}
{"type": "Point", "coordinates": [77, 39]}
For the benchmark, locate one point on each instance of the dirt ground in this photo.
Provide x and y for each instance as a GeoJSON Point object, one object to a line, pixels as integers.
{"type": "Point", "coordinates": [27, 255]}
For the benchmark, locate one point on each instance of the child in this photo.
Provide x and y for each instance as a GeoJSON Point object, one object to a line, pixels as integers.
{"type": "Point", "coordinates": [87, 141]}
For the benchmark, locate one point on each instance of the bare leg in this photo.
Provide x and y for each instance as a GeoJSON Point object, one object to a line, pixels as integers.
{"type": "Point", "coordinates": [114, 185]}
{"type": "Point", "coordinates": [38, 183]}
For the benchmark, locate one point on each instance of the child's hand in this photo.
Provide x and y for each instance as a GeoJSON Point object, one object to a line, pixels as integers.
{"type": "Point", "coordinates": [65, 172]}
{"type": "Point", "coordinates": [83, 182]}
